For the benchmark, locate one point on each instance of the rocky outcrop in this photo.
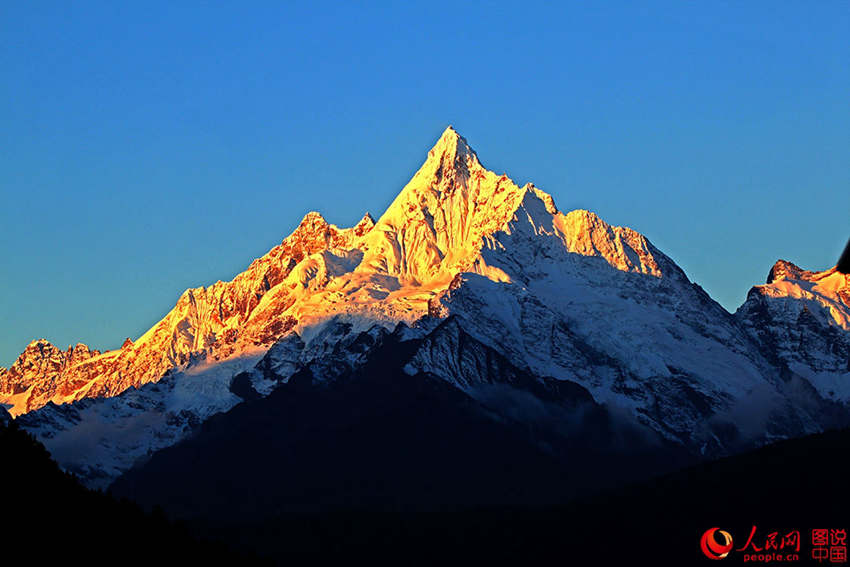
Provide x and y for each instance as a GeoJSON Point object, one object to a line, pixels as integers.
{"type": "Point", "coordinates": [564, 298]}
{"type": "Point", "coordinates": [801, 319]}
{"type": "Point", "coordinates": [45, 371]}
{"type": "Point", "coordinates": [512, 301]}
{"type": "Point", "coordinates": [442, 224]}
{"type": "Point", "coordinates": [217, 322]}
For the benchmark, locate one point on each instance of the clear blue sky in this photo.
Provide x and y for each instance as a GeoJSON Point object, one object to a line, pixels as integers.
{"type": "Point", "coordinates": [148, 149]}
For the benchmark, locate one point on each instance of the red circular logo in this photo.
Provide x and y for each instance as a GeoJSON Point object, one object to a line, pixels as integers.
{"type": "Point", "coordinates": [711, 547]}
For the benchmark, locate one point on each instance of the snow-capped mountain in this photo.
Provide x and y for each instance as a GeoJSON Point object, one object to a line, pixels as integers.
{"type": "Point", "coordinates": [384, 272]}
{"type": "Point", "coordinates": [801, 319]}
{"type": "Point", "coordinates": [218, 322]}
{"type": "Point", "coordinates": [491, 290]}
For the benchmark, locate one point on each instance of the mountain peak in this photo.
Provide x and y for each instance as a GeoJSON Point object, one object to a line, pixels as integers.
{"type": "Point", "coordinates": [39, 348]}
{"type": "Point", "coordinates": [785, 270]}
{"type": "Point", "coordinates": [436, 227]}
{"type": "Point", "coordinates": [312, 219]}
{"type": "Point", "coordinates": [313, 226]}
{"type": "Point", "coordinates": [829, 290]}
{"type": "Point", "coordinates": [365, 225]}
{"type": "Point", "coordinates": [450, 134]}
{"type": "Point", "coordinates": [452, 149]}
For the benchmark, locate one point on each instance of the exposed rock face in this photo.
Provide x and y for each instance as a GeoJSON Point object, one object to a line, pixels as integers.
{"type": "Point", "coordinates": [44, 371]}
{"type": "Point", "coordinates": [801, 319]}
{"type": "Point", "coordinates": [826, 294]}
{"type": "Point", "coordinates": [381, 272]}
{"type": "Point", "coordinates": [219, 321]}
{"type": "Point", "coordinates": [506, 299]}
{"type": "Point", "coordinates": [434, 228]}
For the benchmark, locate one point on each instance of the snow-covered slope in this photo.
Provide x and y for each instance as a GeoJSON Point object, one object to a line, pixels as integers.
{"type": "Point", "coordinates": [374, 272]}
{"type": "Point", "coordinates": [471, 264]}
{"type": "Point", "coordinates": [217, 322]}
{"type": "Point", "coordinates": [580, 300]}
{"type": "Point", "coordinates": [99, 438]}
{"type": "Point", "coordinates": [802, 320]}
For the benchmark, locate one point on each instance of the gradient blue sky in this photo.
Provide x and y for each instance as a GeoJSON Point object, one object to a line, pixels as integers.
{"type": "Point", "coordinates": [148, 149]}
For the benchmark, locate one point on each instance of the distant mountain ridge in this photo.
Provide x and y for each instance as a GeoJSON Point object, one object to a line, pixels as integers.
{"type": "Point", "coordinates": [801, 319]}
{"type": "Point", "coordinates": [490, 282]}
{"type": "Point", "coordinates": [219, 321]}
{"type": "Point", "coordinates": [433, 231]}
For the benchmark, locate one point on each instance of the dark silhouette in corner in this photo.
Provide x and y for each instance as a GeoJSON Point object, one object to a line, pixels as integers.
{"type": "Point", "coordinates": [844, 261]}
{"type": "Point", "coordinates": [48, 516]}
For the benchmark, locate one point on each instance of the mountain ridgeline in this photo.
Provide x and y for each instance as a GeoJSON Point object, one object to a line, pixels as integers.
{"type": "Point", "coordinates": [472, 346]}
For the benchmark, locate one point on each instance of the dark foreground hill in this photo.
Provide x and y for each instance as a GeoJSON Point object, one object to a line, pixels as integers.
{"type": "Point", "coordinates": [382, 440]}
{"type": "Point", "coordinates": [48, 517]}
{"type": "Point", "coordinates": [385, 466]}
{"type": "Point", "coordinates": [793, 485]}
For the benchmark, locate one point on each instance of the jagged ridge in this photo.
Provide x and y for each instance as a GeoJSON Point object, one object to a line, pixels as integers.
{"type": "Point", "coordinates": [385, 271]}
{"type": "Point", "coordinates": [483, 271]}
